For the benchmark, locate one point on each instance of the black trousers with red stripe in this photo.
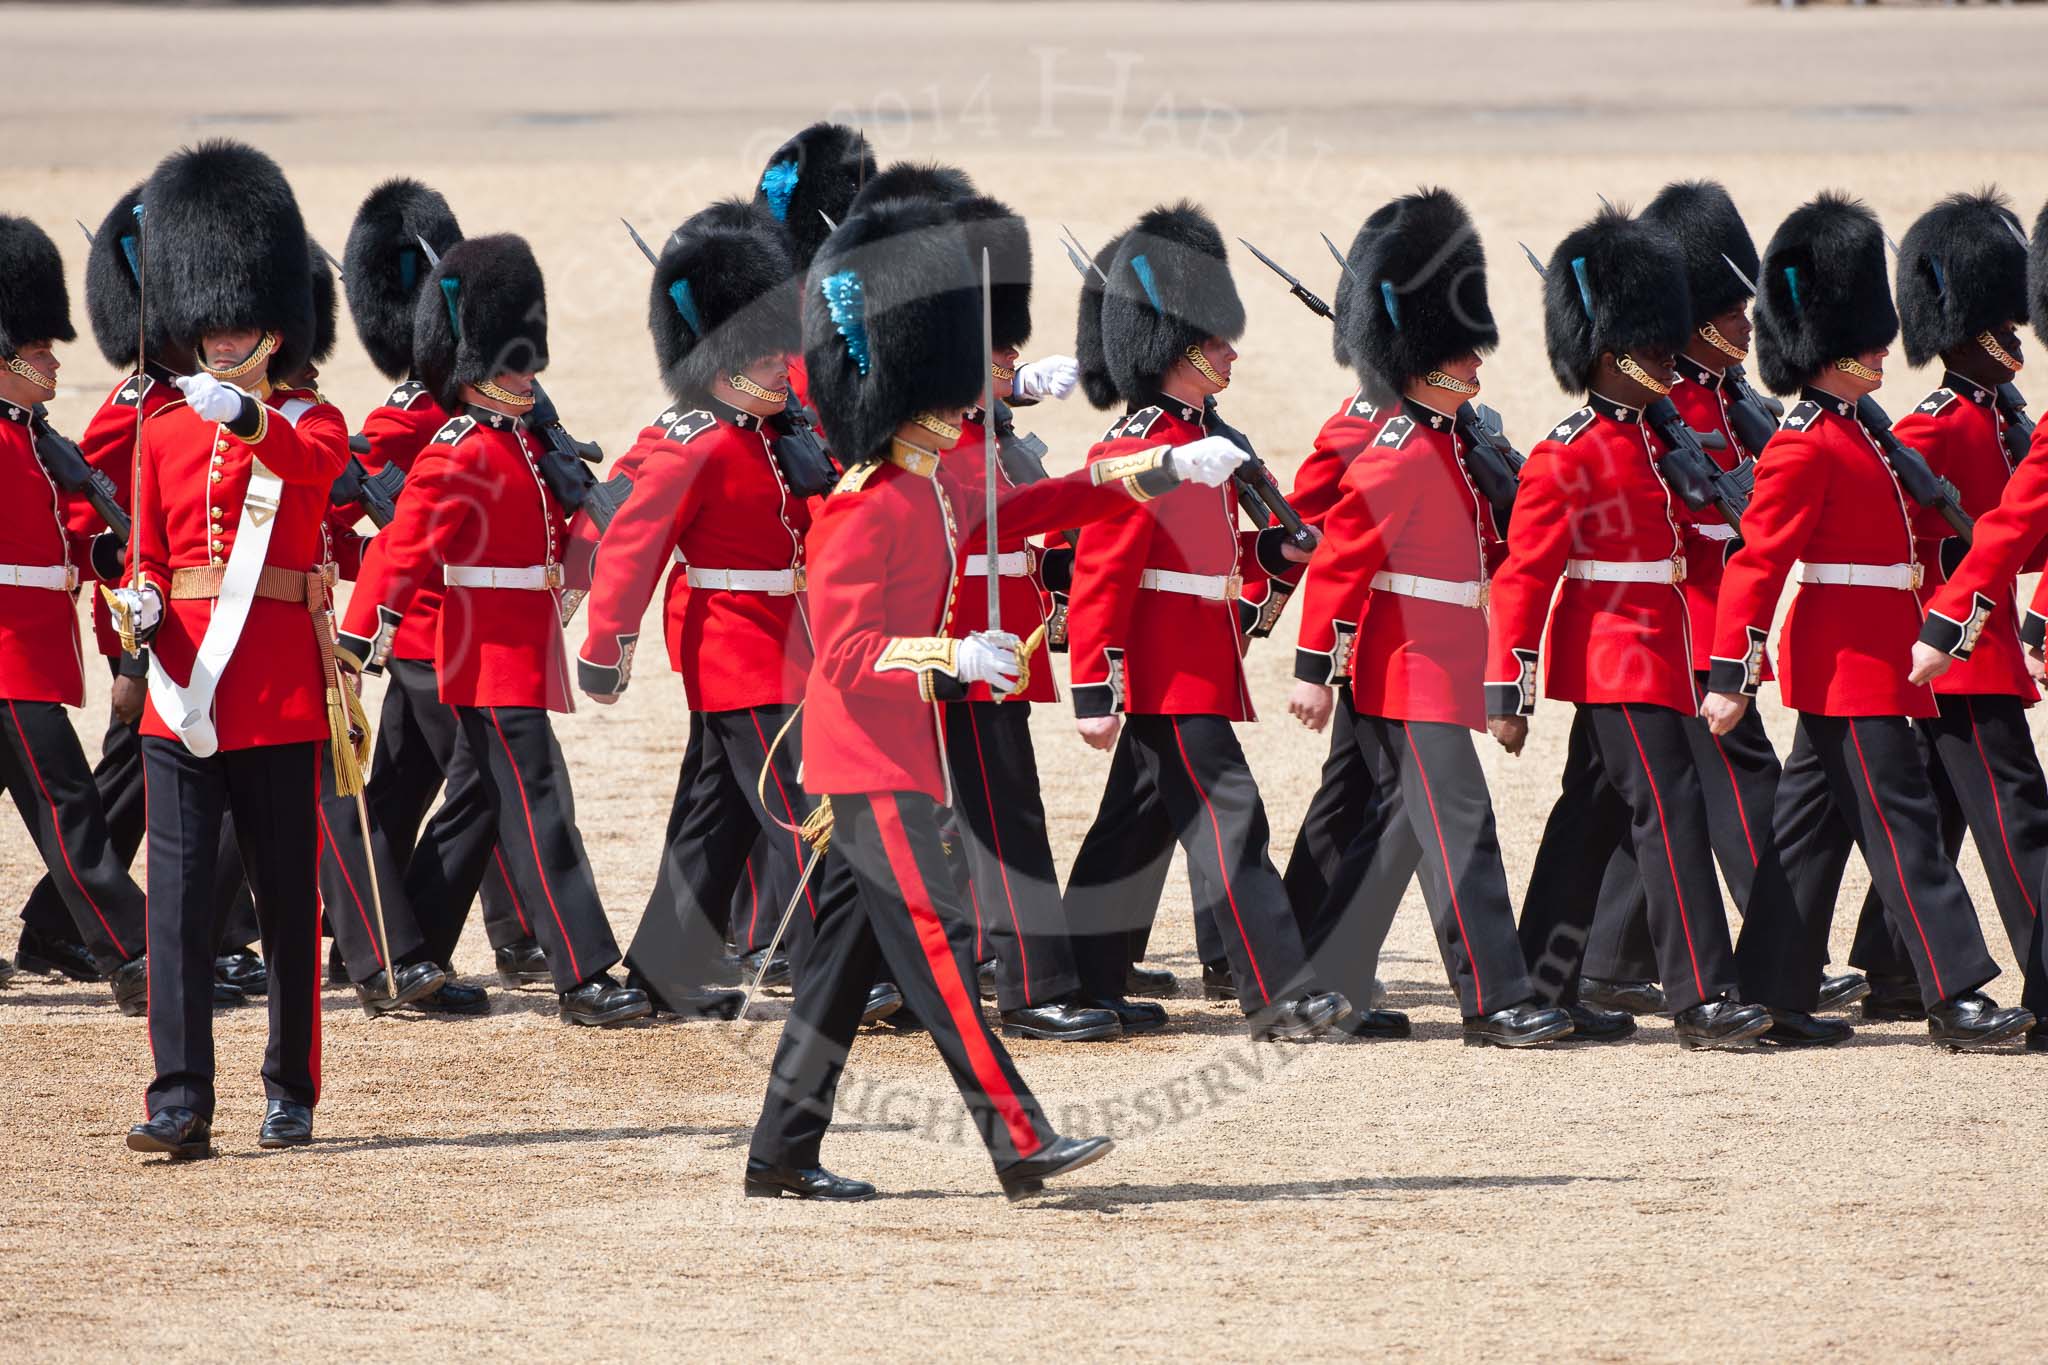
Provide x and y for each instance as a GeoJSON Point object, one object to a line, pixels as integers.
{"type": "Point", "coordinates": [1987, 781]}
{"type": "Point", "coordinates": [716, 823]}
{"type": "Point", "coordinates": [418, 751]}
{"type": "Point", "coordinates": [1188, 782]}
{"type": "Point", "coordinates": [758, 900]}
{"type": "Point", "coordinates": [349, 898]}
{"type": "Point", "coordinates": [1739, 775]}
{"type": "Point", "coordinates": [511, 797]}
{"type": "Point", "coordinates": [1862, 782]}
{"type": "Point", "coordinates": [43, 768]}
{"type": "Point", "coordinates": [1629, 775]}
{"type": "Point", "coordinates": [1430, 814]}
{"type": "Point", "coordinates": [117, 777]}
{"type": "Point", "coordinates": [273, 793]}
{"type": "Point", "coordinates": [887, 906]}
{"type": "Point", "coordinates": [1000, 818]}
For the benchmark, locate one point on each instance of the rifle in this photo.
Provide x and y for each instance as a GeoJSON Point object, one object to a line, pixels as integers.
{"type": "Point", "coordinates": [1494, 464]}
{"type": "Point", "coordinates": [1294, 286]}
{"type": "Point", "coordinates": [565, 462]}
{"type": "Point", "coordinates": [2019, 428]}
{"type": "Point", "coordinates": [1753, 416]}
{"type": "Point", "coordinates": [1255, 481]}
{"type": "Point", "coordinates": [1692, 473]}
{"type": "Point", "coordinates": [67, 468]}
{"type": "Point", "coordinates": [800, 450]}
{"type": "Point", "coordinates": [376, 494]}
{"type": "Point", "coordinates": [1921, 483]}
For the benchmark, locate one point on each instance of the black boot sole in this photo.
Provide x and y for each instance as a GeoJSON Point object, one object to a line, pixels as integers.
{"type": "Point", "coordinates": [514, 980]}
{"type": "Point", "coordinates": [1894, 1014]}
{"type": "Point", "coordinates": [767, 1189]}
{"type": "Point", "coordinates": [176, 1151]}
{"type": "Point", "coordinates": [1094, 1034]}
{"type": "Point", "coordinates": [1693, 1042]}
{"type": "Point", "coordinates": [378, 1005]}
{"type": "Point", "coordinates": [1995, 1038]}
{"type": "Point", "coordinates": [279, 1144]}
{"type": "Point", "coordinates": [1533, 1038]}
{"type": "Point", "coordinates": [43, 966]}
{"type": "Point", "coordinates": [1218, 992]}
{"type": "Point", "coordinates": [624, 1014]}
{"type": "Point", "coordinates": [1023, 1187]}
{"type": "Point", "coordinates": [1859, 991]}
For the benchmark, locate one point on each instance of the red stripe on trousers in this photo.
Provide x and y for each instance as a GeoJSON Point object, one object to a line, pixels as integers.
{"type": "Point", "coordinates": [1897, 865]}
{"type": "Point", "coordinates": [511, 892]}
{"type": "Point", "coordinates": [57, 830]}
{"type": "Point", "coordinates": [995, 835]}
{"type": "Point", "coordinates": [533, 837]}
{"type": "Point", "coordinates": [328, 845]}
{"type": "Point", "coordinates": [1998, 809]}
{"type": "Point", "coordinates": [962, 1008]}
{"type": "Point", "coordinates": [1222, 862]}
{"type": "Point", "coordinates": [1736, 787]}
{"type": "Point", "coordinates": [796, 840]}
{"type": "Point", "coordinates": [1478, 986]}
{"type": "Point", "coordinates": [1671, 859]}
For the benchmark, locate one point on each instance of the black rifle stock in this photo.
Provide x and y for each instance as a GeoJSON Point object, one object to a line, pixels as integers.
{"type": "Point", "coordinates": [1492, 461]}
{"type": "Point", "coordinates": [1255, 481]}
{"type": "Point", "coordinates": [69, 471]}
{"type": "Point", "coordinates": [1692, 473]}
{"type": "Point", "coordinates": [801, 453]}
{"type": "Point", "coordinates": [1753, 416]}
{"type": "Point", "coordinates": [1915, 475]}
{"type": "Point", "coordinates": [2019, 428]}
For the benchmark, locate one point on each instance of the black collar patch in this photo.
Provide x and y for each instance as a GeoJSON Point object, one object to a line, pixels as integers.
{"type": "Point", "coordinates": [1190, 415]}
{"type": "Point", "coordinates": [1423, 415]}
{"type": "Point", "coordinates": [732, 416]}
{"type": "Point", "coordinates": [14, 412]}
{"type": "Point", "coordinates": [1613, 411]}
{"type": "Point", "coordinates": [1968, 388]}
{"type": "Point", "coordinates": [1827, 402]}
{"type": "Point", "coordinates": [496, 421]}
{"type": "Point", "coordinates": [1706, 376]}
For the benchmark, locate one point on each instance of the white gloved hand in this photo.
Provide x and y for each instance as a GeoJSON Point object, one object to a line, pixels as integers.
{"type": "Point", "coordinates": [1054, 376]}
{"type": "Point", "coordinates": [210, 399]}
{"type": "Point", "coordinates": [140, 605]}
{"type": "Point", "coordinates": [988, 656]}
{"type": "Point", "coordinates": [1208, 461]}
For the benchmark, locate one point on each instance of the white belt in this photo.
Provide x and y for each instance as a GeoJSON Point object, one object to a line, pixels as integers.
{"type": "Point", "coordinates": [59, 577]}
{"type": "Point", "coordinates": [1626, 570]}
{"type": "Point", "coordinates": [1713, 530]}
{"type": "Point", "coordinates": [781, 582]}
{"type": "Point", "coordinates": [1904, 576]}
{"type": "Point", "coordinates": [1009, 564]}
{"type": "Point", "coordinates": [1215, 587]}
{"type": "Point", "coordinates": [531, 577]}
{"type": "Point", "coordinates": [1457, 592]}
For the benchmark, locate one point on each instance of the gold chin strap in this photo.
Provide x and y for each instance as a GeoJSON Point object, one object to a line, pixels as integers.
{"type": "Point", "coordinates": [1449, 383]}
{"type": "Point", "coordinates": [1984, 339]}
{"type": "Point", "coordinates": [1859, 369]}
{"type": "Point", "coordinates": [48, 383]}
{"type": "Point", "coordinates": [937, 426]}
{"type": "Point", "coordinates": [753, 390]}
{"type": "Point", "coordinates": [234, 374]}
{"type": "Point", "coordinates": [1208, 371]}
{"type": "Point", "coordinates": [1003, 373]}
{"type": "Point", "coordinates": [1627, 365]}
{"type": "Point", "coordinates": [1712, 336]}
{"type": "Point", "coordinates": [518, 402]}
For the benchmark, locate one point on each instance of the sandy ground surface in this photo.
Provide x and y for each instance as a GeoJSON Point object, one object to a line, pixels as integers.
{"type": "Point", "coordinates": [515, 1187]}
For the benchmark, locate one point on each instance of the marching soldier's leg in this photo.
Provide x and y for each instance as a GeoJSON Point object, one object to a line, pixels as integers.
{"type": "Point", "coordinates": [1877, 948]}
{"type": "Point", "coordinates": [1345, 934]}
{"type": "Point", "coordinates": [668, 954]}
{"type": "Point", "coordinates": [1123, 856]}
{"type": "Point", "coordinates": [1620, 970]}
{"type": "Point", "coordinates": [454, 851]}
{"type": "Point", "coordinates": [758, 901]}
{"type": "Point", "coordinates": [1589, 819]}
{"type": "Point", "coordinates": [188, 798]}
{"type": "Point", "coordinates": [1335, 818]}
{"type": "Point", "coordinates": [273, 790]}
{"type": "Point", "coordinates": [405, 974]}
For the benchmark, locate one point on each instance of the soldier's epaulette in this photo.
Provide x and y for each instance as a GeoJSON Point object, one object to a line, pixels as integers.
{"type": "Point", "coordinates": [131, 393]}
{"type": "Point", "coordinates": [1137, 423]}
{"type": "Point", "coordinates": [406, 395]}
{"type": "Point", "coordinates": [854, 479]}
{"type": "Point", "coordinates": [1396, 432]}
{"type": "Point", "coordinates": [1570, 428]}
{"type": "Point", "coordinates": [1937, 402]}
{"type": "Point", "coordinates": [453, 430]}
{"type": "Point", "coordinates": [1361, 406]}
{"type": "Point", "coordinates": [683, 427]}
{"type": "Point", "coordinates": [1801, 416]}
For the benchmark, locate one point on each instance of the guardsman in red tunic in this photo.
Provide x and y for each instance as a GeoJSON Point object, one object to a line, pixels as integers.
{"type": "Point", "coordinates": [1595, 512]}
{"type": "Point", "coordinates": [1738, 771]}
{"type": "Point", "coordinates": [230, 588]}
{"type": "Point", "coordinates": [1962, 280]}
{"type": "Point", "coordinates": [1828, 499]}
{"type": "Point", "coordinates": [712, 514]}
{"type": "Point", "coordinates": [1395, 606]}
{"type": "Point", "coordinates": [46, 551]}
{"type": "Point", "coordinates": [1156, 640]}
{"type": "Point", "coordinates": [478, 517]}
{"type": "Point", "coordinates": [891, 332]}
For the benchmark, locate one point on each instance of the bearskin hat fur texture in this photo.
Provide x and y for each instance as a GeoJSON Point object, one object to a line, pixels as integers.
{"type": "Point", "coordinates": [1615, 285]}
{"type": "Point", "coordinates": [1962, 272]}
{"type": "Point", "coordinates": [724, 296]}
{"type": "Point", "coordinates": [482, 313]}
{"type": "Point", "coordinates": [1420, 294]}
{"type": "Point", "coordinates": [817, 171]}
{"type": "Point", "coordinates": [1823, 292]}
{"type": "Point", "coordinates": [1703, 220]}
{"type": "Point", "coordinates": [383, 266]}
{"type": "Point", "coordinates": [1169, 288]}
{"type": "Point", "coordinates": [34, 303]}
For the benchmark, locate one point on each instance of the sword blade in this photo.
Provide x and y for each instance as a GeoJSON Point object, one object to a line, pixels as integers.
{"type": "Point", "coordinates": [988, 443]}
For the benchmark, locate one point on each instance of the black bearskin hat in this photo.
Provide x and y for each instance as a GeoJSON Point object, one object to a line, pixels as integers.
{"type": "Point", "coordinates": [914, 180]}
{"type": "Point", "coordinates": [1420, 296]}
{"type": "Point", "coordinates": [1169, 288]}
{"type": "Point", "coordinates": [817, 171]}
{"type": "Point", "coordinates": [1703, 220]}
{"type": "Point", "coordinates": [1615, 285]}
{"type": "Point", "coordinates": [2037, 276]}
{"type": "Point", "coordinates": [1088, 352]}
{"type": "Point", "coordinates": [724, 296]}
{"type": "Point", "coordinates": [991, 225]}
{"type": "Point", "coordinates": [482, 313]}
{"type": "Point", "coordinates": [1962, 273]}
{"type": "Point", "coordinates": [34, 304]}
{"type": "Point", "coordinates": [892, 323]}
{"type": "Point", "coordinates": [323, 305]}
{"type": "Point", "coordinates": [110, 286]}
{"type": "Point", "coordinates": [383, 266]}
{"type": "Point", "coordinates": [1824, 294]}
{"type": "Point", "coordinates": [1341, 300]}
{"type": "Point", "coordinates": [224, 248]}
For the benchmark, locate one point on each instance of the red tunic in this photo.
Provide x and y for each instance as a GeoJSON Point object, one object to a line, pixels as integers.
{"type": "Point", "coordinates": [1959, 430]}
{"type": "Point", "coordinates": [1151, 652]}
{"type": "Point", "coordinates": [1703, 404]}
{"type": "Point", "coordinates": [1408, 507]}
{"type": "Point", "coordinates": [398, 432]}
{"type": "Point", "coordinates": [109, 446]}
{"type": "Point", "coordinates": [1591, 491]}
{"type": "Point", "coordinates": [2012, 538]}
{"type": "Point", "coordinates": [475, 498]}
{"type": "Point", "coordinates": [1824, 495]}
{"type": "Point", "coordinates": [883, 567]}
{"type": "Point", "coordinates": [188, 509]}
{"type": "Point", "coordinates": [705, 486]}
{"type": "Point", "coordinates": [1024, 596]}
{"type": "Point", "coordinates": [40, 528]}
{"type": "Point", "coordinates": [1319, 481]}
